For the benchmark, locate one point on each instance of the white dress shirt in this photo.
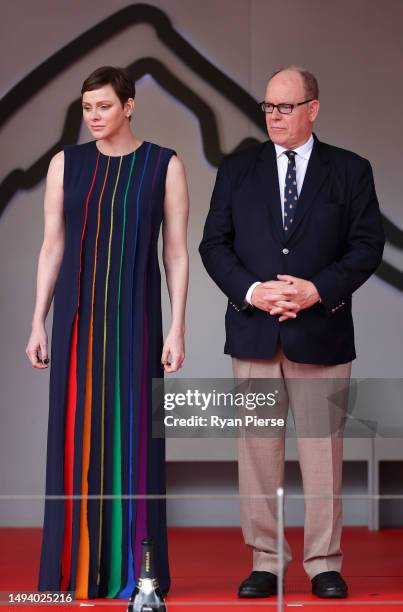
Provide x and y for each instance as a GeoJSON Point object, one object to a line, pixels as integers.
{"type": "Point", "coordinates": [303, 153]}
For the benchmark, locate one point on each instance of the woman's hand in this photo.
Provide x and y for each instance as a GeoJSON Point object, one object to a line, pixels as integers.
{"type": "Point", "coordinates": [38, 341]}
{"type": "Point", "coordinates": [173, 352]}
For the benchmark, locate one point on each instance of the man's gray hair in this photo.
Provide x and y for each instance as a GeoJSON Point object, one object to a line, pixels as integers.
{"type": "Point", "coordinates": [311, 86]}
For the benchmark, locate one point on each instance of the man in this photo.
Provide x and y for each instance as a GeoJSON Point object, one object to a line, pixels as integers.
{"type": "Point", "coordinates": [293, 230]}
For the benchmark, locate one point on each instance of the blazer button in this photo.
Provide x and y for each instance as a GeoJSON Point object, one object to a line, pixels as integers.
{"type": "Point", "coordinates": [285, 251]}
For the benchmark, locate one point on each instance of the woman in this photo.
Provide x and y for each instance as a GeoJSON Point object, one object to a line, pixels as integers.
{"type": "Point", "coordinates": [104, 203]}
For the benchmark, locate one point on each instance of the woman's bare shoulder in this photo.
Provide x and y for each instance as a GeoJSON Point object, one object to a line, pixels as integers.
{"type": "Point", "coordinates": [57, 160]}
{"type": "Point", "coordinates": [176, 168]}
{"type": "Point", "coordinates": [56, 168]}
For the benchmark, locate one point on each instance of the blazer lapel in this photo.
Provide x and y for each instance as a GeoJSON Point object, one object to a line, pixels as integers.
{"type": "Point", "coordinates": [269, 186]}
{"type": "Point", "coordinates": [316, 173]}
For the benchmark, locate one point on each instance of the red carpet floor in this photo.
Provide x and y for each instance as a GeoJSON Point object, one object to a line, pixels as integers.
{"type": "Point", "coordinates": [208, 564]}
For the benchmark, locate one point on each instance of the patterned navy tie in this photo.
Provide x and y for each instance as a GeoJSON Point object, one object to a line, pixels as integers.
{"type": "Point", "coordinates": [290, 191]}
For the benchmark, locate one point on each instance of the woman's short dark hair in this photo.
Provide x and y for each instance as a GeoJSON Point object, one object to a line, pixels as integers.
{"type": "Point", "coordinates": [118, 78]}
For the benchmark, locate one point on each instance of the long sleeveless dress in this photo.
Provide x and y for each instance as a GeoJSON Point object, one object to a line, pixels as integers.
{"type": "Point", "coordinates": [106, 348]}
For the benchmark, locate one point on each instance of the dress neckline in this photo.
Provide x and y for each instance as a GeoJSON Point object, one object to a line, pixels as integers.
{"type": "Point", "coordinates": [118, 156]}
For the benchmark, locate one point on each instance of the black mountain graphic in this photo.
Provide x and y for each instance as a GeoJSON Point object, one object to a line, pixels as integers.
{"type": "Point", "coordinates": [98, 35]}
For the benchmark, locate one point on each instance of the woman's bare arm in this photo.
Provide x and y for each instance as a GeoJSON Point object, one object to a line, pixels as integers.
{"type": "Point", "coordinates": [50, 258]}
{"type": "Point", "coordinates": [176, 260]}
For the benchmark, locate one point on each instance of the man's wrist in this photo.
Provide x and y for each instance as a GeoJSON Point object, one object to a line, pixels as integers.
{"type": "Point", "coordinates": [248, 297]}
{"type": "Point", "coordinates": [315, 294]}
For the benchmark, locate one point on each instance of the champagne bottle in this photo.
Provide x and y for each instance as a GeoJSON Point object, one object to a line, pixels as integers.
{"type": "Point", "coordinates": [146, 596]}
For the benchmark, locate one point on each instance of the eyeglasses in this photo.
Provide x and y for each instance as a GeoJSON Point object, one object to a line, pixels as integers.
{"type": "Point", "coordinates": [283, 108]}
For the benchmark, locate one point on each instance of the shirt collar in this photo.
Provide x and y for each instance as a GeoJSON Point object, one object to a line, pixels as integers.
{"type": "Point", "coordinates": [303, 151]}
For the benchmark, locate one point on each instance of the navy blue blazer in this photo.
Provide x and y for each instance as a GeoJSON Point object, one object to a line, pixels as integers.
{"type": "Point", "coordinates": [336, 241]}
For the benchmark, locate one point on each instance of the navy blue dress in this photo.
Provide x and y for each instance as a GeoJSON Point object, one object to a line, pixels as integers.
{"type": "Point", "coordinates": [106, 347]}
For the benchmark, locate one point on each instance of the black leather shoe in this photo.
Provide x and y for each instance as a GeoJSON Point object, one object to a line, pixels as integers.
{"type": "Point", "coordinates": [329, 585]}
{"type": "Point", "coordinates": [258, 584]}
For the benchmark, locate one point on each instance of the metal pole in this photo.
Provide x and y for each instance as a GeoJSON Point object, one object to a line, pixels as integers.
{"type": "Point", "coordinates": [280, 549]}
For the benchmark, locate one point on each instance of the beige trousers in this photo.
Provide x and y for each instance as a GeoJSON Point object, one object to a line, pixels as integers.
{"type": "Point", "coordinates": [319, 429]}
